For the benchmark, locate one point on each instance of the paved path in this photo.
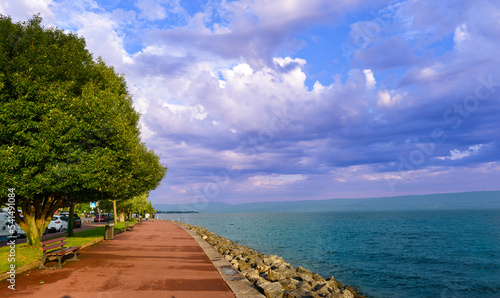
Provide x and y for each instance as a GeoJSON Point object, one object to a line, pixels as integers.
{"type": "Point", "coordinates": [157, 259]}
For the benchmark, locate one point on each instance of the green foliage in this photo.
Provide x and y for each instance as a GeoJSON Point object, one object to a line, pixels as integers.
{"type": "Point", "coordinates": [137, 204]}
{"type": "Point", "coordinates": [68, 131]}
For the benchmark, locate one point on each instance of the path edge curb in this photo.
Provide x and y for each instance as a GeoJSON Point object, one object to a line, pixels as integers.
{"type": "Point", "coordinates": [239, 285]}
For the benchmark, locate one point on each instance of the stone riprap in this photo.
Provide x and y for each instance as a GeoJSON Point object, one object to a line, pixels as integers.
{"type": "Point", "coordinates": [271, 274]}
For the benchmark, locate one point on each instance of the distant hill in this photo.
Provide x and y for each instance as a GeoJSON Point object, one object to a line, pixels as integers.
{"type": "Point", "coordinates": [465, 200]}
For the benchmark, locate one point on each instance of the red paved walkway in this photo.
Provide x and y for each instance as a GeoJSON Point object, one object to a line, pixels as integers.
{"type": "Point", "coordinates": [157, 259]}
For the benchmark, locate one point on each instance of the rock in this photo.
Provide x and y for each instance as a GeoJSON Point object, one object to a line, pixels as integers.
{"type": "Point", "coordinates": [305, 286]}
{"type": "Point", "coordinates": [257, 262]}
{"type": "Point", "coordinates": [354, 289]}
{"type": "Point", "coordinates": [321, 289]}
{"type": "Point", "coordinates": [318, 277]}
{"type": "Point", "coordinates": [274, 276]}
{"type": "Point", "coordinates": [298, 293]}
{"type": "Point", "coordinates": [268, 261]}
{"type": "Point", "coordinates": [349, 292]}
{"type": "Point", "coordinates": [252, 275]}
{"type": "Point", "coordinates": [271, 290]}
{"type": "Point", "coordinates": [303, 270]}
{"type": "Point", "coordinates": [288, 284]}
{"type": "Point", "coordinates": [235, 262]}
{"type": "Point", "coordinates": [304, 277]}
{"type": "Point", "coordinates": [334, 284]}
{"type": "Point", "coordinates": [286, 270]}
{"type": "Point", "coordinates": [244, 266]}
{"type": "Point", "coordinates": [263, 268]}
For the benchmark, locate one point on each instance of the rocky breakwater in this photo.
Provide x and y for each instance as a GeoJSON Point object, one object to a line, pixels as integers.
{"type": "Point", "coordinates": [271, 274]}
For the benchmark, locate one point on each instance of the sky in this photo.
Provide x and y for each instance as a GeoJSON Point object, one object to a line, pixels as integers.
{"type": "Point", "coordinates": [255, 101]}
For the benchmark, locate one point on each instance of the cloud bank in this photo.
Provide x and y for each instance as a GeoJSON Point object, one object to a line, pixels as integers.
{"type": "Point", "coordinates": [411, 105]}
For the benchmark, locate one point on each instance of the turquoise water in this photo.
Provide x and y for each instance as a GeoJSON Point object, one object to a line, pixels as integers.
{"type": "Point", "coordinates": [385, 254]}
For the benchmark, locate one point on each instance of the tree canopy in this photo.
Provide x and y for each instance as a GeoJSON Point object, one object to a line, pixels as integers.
{"type": "Point", "coordinates": [68, 130]}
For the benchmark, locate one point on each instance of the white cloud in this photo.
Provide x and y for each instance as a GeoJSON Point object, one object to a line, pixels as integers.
{"type": "Point", "coordinates": [370, 79]}
{"type": "Point", "coordinates": [388, 98]}
{"type": "Point", "coordinates": [461, 35]}
{"type": "Point", "coordinates": [275, 180]}
{"type": "Point", "coordinates": [456, 154]}
{"type": "Point", "coordinates": [21, 10]}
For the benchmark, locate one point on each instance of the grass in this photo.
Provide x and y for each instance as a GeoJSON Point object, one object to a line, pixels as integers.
{"type": "Point", "coordinates": [26, 255]}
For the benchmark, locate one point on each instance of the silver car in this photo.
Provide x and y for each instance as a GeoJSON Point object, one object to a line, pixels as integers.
{"type": "Point", "coordinates": [57, 224]}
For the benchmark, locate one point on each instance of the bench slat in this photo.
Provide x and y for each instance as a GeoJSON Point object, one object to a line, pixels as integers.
{"type": "Point", "coordinates": [49, 247]}
{"type": "Point", "coordinates": [53, 241]}
{"type": "Point", "coordinates": [64, 251]}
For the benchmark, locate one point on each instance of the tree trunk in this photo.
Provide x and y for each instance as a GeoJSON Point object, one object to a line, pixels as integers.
{"type": "Point", "coordinates": [71, 221]}
{"type": "Point", "coordinates": [34, 229]}
{"type": "Point", "coordinates": [114, 211]}
{"type": "Point", "coordinates": [122, 216]}
{"type": "Point", "coordinates": [37, 215]}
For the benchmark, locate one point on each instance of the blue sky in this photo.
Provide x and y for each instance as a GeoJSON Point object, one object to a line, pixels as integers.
{"type": "Point", "coordinates": [250, 101]}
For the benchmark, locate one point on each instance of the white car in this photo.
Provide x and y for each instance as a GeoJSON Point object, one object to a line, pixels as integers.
{"type": "Point", "coordinates": [7, 230]}
{"type": "Point", "coordinates": [4, 225]}
{"type": "Point", "coordinates": [57, 224]}
{"type": "Point", "coordinates": [20, 232]}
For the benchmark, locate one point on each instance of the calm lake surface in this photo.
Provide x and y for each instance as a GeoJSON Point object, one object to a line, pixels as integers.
{"type": "Point", "coordinates": [452, 253]}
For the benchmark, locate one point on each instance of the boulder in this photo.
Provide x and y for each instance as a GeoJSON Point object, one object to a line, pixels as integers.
{"type": "Point", "coordinates": [271, 290]}
{"type": "Point", "coordinates": [318, 277]}
{"type": "Point", "coordinates": [242, 266]}
{"type": "Point", "coordinates": [252, 275]}
{"type": "Point", "coordinates": [321, 289]}
{"type": "Point", "coordinates": [286, 270]}
{"type": "Point", "coordinates": [288, 284]}
{"type": "Point", "coordinates": [263, 268]}
{"type": "Point", "coordinates": [303, 270]}
{"type": "Point", "coordinates": [297, 293]}
{"type": "Point", "coordinates": [334, 283]}
{"type": "Point", "coordinates": [349, 292]}
{"type": "Point", "coordinates": [304, 277]}
{"type": "Point", "coordinates": [274, 276]}
{"type": "Point", "coordinates": [305, 286]}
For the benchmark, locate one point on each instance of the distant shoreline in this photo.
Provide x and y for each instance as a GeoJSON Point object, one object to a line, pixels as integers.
{"type": "Point", "coordinates": [177, 212]}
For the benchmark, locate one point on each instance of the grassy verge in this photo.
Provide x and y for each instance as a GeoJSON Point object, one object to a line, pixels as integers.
{"type": "Point", "coordinates": [26, 255]}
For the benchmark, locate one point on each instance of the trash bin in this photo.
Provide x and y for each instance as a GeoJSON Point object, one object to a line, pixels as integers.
{"type": "Point", "coordinates": [109, 232]}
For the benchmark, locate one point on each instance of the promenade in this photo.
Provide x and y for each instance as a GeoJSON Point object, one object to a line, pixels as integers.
{"type": "Point", "coordinates": [157, 259]}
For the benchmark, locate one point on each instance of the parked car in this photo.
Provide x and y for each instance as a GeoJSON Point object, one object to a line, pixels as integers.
{"type": "Point", "coordinates": [6, 228]}
{"type": "Point", "coordinates": [19, 232]}
{"type": "Point", "coordinates": [57, 224]}
{"type": "Point", "coordinates": [104, 217]}
{"type": "Point", "coordinates": [77, 221]}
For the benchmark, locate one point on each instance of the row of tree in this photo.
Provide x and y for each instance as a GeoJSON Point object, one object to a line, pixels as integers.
{"type": "Point", "coordinates": [125, 208]}
{"type": "Point", "coordinates": [68, 131]}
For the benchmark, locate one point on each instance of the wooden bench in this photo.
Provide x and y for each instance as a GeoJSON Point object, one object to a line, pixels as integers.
{"type": "Point", "coordinates": [55, 248]}
{"type": "Point", "coordinates": [129, 227]}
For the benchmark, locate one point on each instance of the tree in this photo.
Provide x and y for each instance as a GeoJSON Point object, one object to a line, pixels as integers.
{"type": "Point", "coordinates": [68, 131]}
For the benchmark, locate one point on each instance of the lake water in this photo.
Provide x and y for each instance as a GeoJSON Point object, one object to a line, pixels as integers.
{"type": "Point", "coordinates": [453, 253]}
